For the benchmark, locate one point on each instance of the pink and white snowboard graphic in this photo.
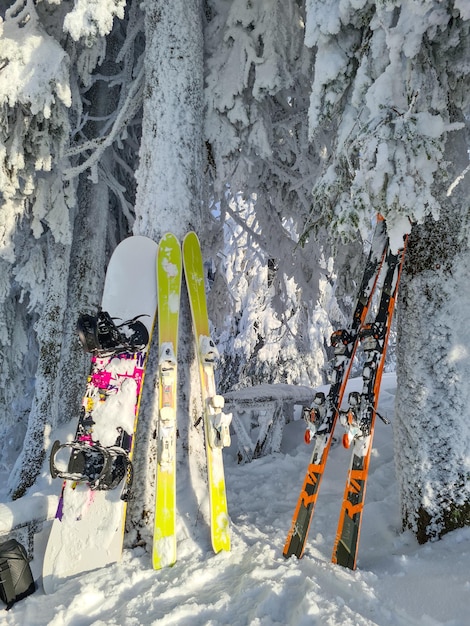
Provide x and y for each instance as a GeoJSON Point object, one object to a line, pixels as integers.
{"type": "Point", "coordinates": [87, 532]}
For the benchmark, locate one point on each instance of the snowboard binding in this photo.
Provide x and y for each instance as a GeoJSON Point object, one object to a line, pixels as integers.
{"type": "Point", "coordinates": [102, 468]}
{"type": "Point", "coordinates": [102, 337]}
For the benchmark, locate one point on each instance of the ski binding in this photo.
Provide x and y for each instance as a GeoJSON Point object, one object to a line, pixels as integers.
{"type": "Point", "coordinates": [315, 416]}
{"type": "Point", "coordinates": [219, 433]}
{"type": "Point", "coordinates": [166, 432]}
{"type": "Point", "coordinates": [208, 350]}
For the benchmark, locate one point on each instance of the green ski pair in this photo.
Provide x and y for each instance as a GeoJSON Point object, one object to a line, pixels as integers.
{"type": "Point", "coordinates": [216, 424]}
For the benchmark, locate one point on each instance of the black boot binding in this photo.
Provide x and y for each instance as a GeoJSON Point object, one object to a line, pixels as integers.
{"type": "Point", "coordinates": [103, 468]}
{"type": "Point", "coordinates": [100, 335]}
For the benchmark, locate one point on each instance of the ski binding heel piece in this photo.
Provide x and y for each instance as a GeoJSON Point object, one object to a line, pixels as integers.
{"type": "Point", "coordinates": [166, 436]}
{"type": "Point", "coordinates": [341, 340]}
{"type": "Point", "coordinates": [351, 419]}
{"type": "Point", "coordinates": [372, 336]}
{"type": "Point", "coordinates": [314, 416]}
{"type": "Point", "coordinates": [166, 446]}
{"type": "Point", "coordinates": [219, 433]}
{"type": "Point", "coordinates": [208, 350]}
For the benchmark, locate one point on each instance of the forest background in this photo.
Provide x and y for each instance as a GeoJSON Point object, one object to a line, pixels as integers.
{"type": "Point", "coordinates": [277, 129]}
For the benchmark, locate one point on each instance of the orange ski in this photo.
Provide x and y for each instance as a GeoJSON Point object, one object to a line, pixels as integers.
{"type": "Point", "coordinates": [321, 418]}
{"type": "Point", "coordinates": [359, 419]}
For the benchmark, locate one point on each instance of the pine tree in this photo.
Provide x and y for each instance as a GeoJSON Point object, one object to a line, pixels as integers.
{"type": "Point", "coordinates": [391, 92]}
{"type": "Point", "coordinates": [58, 132]}
{"type": "Point", "coordinates": [261, 168]}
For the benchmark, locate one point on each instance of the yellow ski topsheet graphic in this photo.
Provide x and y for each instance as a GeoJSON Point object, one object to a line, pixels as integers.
{"type": "Point", "coordinates": [194, 273]}
{"type": "Point", "coordinates": [169, 287]}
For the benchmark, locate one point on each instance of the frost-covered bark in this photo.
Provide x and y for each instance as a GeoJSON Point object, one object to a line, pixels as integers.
{"type": "Point", "coordinates": [432, 433]}
{"type": "Point", "coordinates": [169, 176]}
{"type": "Point", "coordinates": [47, 396]}
{"type": "Point", "coordinates": [89, 253]}
{"type": "Point", "coordinates": [169, 198]}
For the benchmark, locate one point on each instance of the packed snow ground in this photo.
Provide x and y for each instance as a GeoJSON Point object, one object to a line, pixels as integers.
{"type": "Point", "coordinates": [397, 583]}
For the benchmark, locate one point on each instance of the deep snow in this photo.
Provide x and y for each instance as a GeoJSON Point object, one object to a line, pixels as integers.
{"type": "Point", "coordinates": [397, 583]}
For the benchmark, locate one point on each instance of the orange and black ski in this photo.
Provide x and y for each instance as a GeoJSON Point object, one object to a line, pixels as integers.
{"type": "Point", "coordinates": [321, 418]}
{"type": "Point", "coordinates": [359, 419]}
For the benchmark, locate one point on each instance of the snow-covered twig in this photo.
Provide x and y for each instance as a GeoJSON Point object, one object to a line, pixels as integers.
{"type": "Point", "coordinates": [98, 146]}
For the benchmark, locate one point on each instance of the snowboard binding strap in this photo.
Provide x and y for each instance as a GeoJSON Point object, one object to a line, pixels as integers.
{"type": "Point", "coordinates": [103, 468]}
{"type": "Point", "coordinates": [103, 338]}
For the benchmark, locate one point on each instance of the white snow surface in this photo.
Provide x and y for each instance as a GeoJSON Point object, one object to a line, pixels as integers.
{"type": "Point", "coordinates": [397, 583]}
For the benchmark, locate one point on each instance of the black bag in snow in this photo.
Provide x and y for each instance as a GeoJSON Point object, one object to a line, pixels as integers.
{"type": "Point", "coordinates": [16, 579]}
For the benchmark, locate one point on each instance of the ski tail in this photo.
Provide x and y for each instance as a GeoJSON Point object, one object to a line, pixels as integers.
{"type": "Point", "coordinates": [360, 417]}
{"type": "Point", "coordinates": [169, 274]}
{"type": "Point", "coordinates": [216, 423]}
{"type": "Point", "coordinates": [320, 429]}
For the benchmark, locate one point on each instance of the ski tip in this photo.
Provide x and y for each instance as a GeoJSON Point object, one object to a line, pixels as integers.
{"type": "Point", "coordinates": [190, 239]}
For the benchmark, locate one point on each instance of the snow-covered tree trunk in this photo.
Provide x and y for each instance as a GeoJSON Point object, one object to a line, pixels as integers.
{"type": "Point", "coordinates": [170, 172]}
{"type": "Point", "coordinates": [85, 285]}
{"type": "Point", "coordinates": [169, 198]}
{"type": "Point", "coordinates": [432, 433]}
{"type": "Point", "coordinates": [47, 394]}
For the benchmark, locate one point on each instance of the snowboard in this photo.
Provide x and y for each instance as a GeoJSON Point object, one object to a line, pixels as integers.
{"type": "Point", "coordinates": [88, 529]}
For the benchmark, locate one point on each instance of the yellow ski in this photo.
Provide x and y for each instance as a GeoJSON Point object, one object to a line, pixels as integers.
{"type": "Point", "coordinates": [216, 423]}
{"type": "Point", "coordinates": [169, 289]}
